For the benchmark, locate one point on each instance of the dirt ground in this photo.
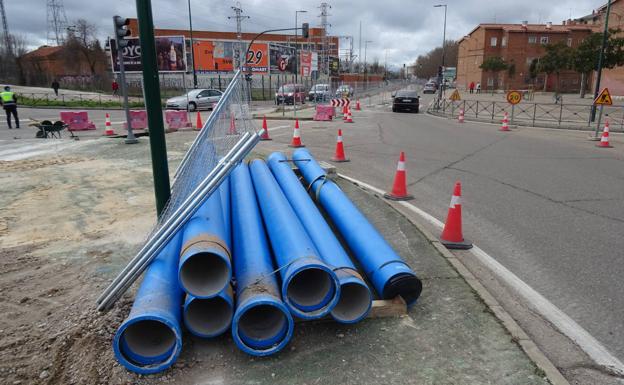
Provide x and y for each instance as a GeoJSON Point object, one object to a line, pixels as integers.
{"type": "Point", "coordinates": [66, 224]}
{"type": "Point", "coordinates": [71, 217]}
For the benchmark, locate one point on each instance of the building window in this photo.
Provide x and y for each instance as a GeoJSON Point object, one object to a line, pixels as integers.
{"type": "Point", "coordinates": [544, 40]}
{"type": "Point", "coordinates": [493, 41]}
{"type": "Point", "coordinates": [504, 41]}
{"type": "Point", "coordinates": [569, 42]}
{"type": "Point", "coordinates": [529, 60]}
{"type": "Point", "coordinates": [490, 82]}
{"type": "Point", "coordinates": [532, 39]}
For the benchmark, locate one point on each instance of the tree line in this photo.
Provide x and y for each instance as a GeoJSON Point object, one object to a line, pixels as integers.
{"type": "Point", "coordinates": [426, 66]}
{"type": "Point", "coordinates": [560, 57]}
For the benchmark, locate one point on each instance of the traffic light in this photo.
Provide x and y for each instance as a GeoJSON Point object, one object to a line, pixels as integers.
{"type": "Point", "coordinates": [305, 30]}
{"type": "Point", "coordinates": [440, 68]}
{"type": "Point", "coordinates": [121, 30]}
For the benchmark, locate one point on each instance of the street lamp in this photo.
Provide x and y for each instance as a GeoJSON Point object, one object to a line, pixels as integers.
{"type": "Point", "coordinates": [441, 82]}
{"type": "Point", "coordinates": [192, 48]}
{"type": "Point", "coordinates": [365, 65]}
{"type": "Point", "coordinates": [296, 61]}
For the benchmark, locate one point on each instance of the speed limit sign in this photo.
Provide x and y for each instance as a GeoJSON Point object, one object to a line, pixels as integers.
{"type": "Point", "coordinates": [514, 97]}
{"type": "Point", "coordinates": [282, 64]}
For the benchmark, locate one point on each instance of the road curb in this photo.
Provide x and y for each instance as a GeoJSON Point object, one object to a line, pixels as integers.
{"type": "Point", "coordinates": [281, 117]}
{"type": "Point", "coordinates": [518, 334]}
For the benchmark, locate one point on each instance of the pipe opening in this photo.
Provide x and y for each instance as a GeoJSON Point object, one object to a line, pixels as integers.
{"type": "Point", "coordinates": [204, 274]}
{"type": "Point", "coordinates": [149, 338]}
{"type": "Point", "coordinates": [262, 323]}
{"type": "Point", "coordinates": [208, 316]}
{"type": "Point", "coordinates": [354, 302]}
{"type": "Point", "coordinates": [311, 287]}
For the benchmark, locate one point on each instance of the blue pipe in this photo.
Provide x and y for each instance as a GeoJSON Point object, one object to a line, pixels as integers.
{"type": "Point", "coordinates": [390, 275]}
{"type": "Point", "coordinates": [150, 339]}
{"type": "Point", "coordinates": [262, 324]}
{"type": "Point", "coordinates": [355, 296]}
{"type": "Point", "coordinates": [209, 317]}
{"type": "Point", "coordinates": [310, 288]}
{"type": "Point", "coordinates": [224, 192]}
{"type": "Point", "coordinates": [205, 267]}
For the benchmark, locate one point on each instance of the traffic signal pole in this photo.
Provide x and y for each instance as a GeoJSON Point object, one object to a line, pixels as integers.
{"type": "Point", "coordinates": [153, 106]}
{"type": "Point", "coordinates": [600, 59]}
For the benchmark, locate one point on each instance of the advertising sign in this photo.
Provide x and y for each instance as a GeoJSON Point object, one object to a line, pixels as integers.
{"type": "Point", "coordinates": [334, 66]}
{"type": "Point", "coordinates": [283, 53]}
{"type": "Point", "coordinates": [170, 53]}
{"type": "Point", "coordinates": [305, 62]}
{"type": "Point", "coordinates": [218, 56]}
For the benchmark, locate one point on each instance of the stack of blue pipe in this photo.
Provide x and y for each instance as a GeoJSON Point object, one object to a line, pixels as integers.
{"type": "Point", "coordinates": [263, 232]}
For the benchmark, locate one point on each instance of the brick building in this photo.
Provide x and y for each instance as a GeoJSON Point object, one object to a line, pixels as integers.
{"type": "Point", "coordinates": [518, 45]}
{"type": "Point", "coordinates": [611, 78]}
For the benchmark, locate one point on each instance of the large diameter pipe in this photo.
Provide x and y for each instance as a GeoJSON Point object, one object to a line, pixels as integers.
{"type": "Point", "coordinates": [205, 258]}
{"type": "Point", "coordinates": [310, 288]}
{"type": "Point", "coordinates": [209, 317]}
{"type": "Point", "coordinates": [224, 192]}
{"type": "Point", "coordinates": [355, 296]}
{"type": "Point", "coordinates": [262, 324]}
{"type": "Point", "coordinates": [173, 223]}
{"type": "Point", "coordinates": [388, 272]}
{"type": "Point", "coordinates": [150, 339]}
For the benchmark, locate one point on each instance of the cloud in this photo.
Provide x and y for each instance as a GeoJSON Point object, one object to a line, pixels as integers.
{"type": "Point", "coordinates": [402, 28]}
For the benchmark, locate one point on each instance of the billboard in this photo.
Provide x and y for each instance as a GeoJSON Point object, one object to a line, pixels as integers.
{"type": "Point", "coordinates": [218, 56]}
{"type": "Point", "coordinates": [170, 54]}
{"type": "Point", "coordinates": [308, 63]}
{"type": "Point", "coordinates": [282, 53]}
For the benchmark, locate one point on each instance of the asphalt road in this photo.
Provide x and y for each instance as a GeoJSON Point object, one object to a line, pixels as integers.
{"type": "Point", "coordinates": [547, 204]}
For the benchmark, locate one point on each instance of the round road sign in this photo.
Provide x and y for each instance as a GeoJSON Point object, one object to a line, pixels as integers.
{"type": "Point", "coordinates": [282, 64]}
{"type": "Point", "coordinates": [514, 97]}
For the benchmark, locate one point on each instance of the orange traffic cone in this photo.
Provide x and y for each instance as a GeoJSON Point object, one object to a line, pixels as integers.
{"type": "Point", "coordinates": [505, 125]}
{"type": "Point", "coordinates": [340, 154]}
{"type": "Point", "coordinates": [344, 112]}
{"type": "Point", "coordinates": [452, 236]}
{"type": "Point", "coordinates": [296, 139]}
{"type": "Point", "coordinates": [461, 116]}
{"type": "Point", "coordinates": [265, 130]}
{"type": "Point", "coordinates": [604, 140]}
{"type": "Point", "coordinates": [357, 105]}
{"type": "Point", "coordinates": [199, 122]}
{"type": "Point", "coordinates": [109, 129]}
{"type": "Point", "coordinates": [232, 130]}
{"type": "Point", "coordinates": [399, 188]}
{"type": "Point", "coordinates": [349, 117]}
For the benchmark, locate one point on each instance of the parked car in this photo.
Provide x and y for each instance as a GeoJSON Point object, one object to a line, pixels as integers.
{"type": "Point", "coordinates": [430, 88]}
{"type": "Point", "coordinates": [194, 100]}
{"type": "Point", "coordinates": [319, 93]}
{"type": "Point", "coordinates": [344, 91]}
{"type": "Point", "coordinates": [288, 93]}
{"type": "Point", "coordinates": [405, 100]}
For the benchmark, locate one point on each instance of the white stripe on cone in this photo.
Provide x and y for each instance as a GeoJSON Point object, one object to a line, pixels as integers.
{"type": "Point", "coordinates": [455, 200]}
{"type": "Point", "coordinates": [340, 138]}
{"type": "Point", "coordinates": [401, 166]}
{"type": "Point", "coordinates": [296, 133]}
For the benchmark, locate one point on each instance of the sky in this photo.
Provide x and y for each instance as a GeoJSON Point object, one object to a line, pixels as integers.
{"type": "Point", "coordinates": [400, 29]}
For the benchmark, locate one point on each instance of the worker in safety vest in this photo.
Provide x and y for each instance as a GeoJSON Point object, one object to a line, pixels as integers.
{"type": "Point", "coordinates": [9, 102]}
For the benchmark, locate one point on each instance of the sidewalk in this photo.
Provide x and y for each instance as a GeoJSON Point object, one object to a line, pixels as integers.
{"type": "Point", "coordinates": [98, 199]}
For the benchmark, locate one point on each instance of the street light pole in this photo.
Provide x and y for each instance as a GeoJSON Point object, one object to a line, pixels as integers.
{"type": "Point", "coordinates": [365, 65]}
{"type": "Point", "coordinates": [296, 62]}
{"type": "Point", "coordinates": [441, 81]}
{"type": "Point", "coordinates": [600, 59]}
{"type": "Point", "coordinates": [192, 47]}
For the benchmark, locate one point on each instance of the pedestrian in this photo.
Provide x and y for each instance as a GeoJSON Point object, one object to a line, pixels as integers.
{"type": "Point", "coordinates": [9, 103]}
{"type": "Point", "coordinates": [472, 86]}
{"type": "Point", "coordinates": [478, 87]}
{"type": "Point", "coordinates": [56, 86]}
{"type": "Point", "coordinates": [115, 87]}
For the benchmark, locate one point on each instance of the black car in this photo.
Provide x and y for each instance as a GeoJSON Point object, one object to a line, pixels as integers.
{"type": "Point", "coordinates": [405, 100]}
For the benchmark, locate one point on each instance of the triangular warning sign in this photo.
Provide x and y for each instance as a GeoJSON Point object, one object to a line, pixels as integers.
{"type": "Point", "coordinates": [455, 96]}
{"type": "Point", "coordinates": [604, 98]}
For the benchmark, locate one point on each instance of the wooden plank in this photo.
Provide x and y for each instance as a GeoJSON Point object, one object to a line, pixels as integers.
{"type": "Point", "coordinates": [383, 308]}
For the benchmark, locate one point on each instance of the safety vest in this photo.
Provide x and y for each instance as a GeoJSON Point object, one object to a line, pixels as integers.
{"type": "Point", "coordinates": [8, 97]}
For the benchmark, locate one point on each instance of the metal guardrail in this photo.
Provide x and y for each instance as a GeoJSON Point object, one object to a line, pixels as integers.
{"type": "Point", "coordinates": [551, 115]}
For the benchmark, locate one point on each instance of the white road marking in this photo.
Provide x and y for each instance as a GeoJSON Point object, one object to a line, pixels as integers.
{"type": "Point", "coordinates": [566, 325]}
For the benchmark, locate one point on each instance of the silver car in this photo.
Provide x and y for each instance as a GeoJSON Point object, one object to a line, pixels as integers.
{"type": "Point", "coordinates": [194, 100]}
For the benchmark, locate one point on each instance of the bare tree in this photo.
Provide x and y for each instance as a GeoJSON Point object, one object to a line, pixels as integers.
{"type": "Point", "coordinates": [82, 44]}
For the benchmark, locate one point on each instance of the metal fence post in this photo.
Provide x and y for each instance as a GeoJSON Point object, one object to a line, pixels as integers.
{"type": "Point", "coordinates": [560, 113]}
{"type": "Point", "coordinates": [219, 75]}
{"type": "Point", "coordinates": [493, 107]}
{"type": "Point", "coordinates": [263, 87]}
{"type": "Point", "coordinates": [477, 110]}
{"type": "Point", "coordinates": [534, 112]}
